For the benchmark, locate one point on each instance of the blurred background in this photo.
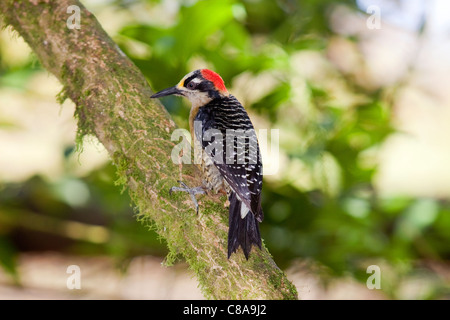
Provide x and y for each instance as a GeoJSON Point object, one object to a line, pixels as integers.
{"type": "Point", "coordinates": [359, 91]}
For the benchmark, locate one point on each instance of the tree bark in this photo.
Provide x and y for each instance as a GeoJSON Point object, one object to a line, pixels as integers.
{"type": "Point", "coordinates": [112, 100]}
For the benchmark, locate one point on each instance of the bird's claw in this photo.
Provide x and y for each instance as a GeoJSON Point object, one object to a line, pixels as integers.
{"type": "Point", "coordinates": [192, 192]}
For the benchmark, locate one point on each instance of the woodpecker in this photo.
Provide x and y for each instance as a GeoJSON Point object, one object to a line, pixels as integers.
{"type": "Point", "coordinates": [223, 134]}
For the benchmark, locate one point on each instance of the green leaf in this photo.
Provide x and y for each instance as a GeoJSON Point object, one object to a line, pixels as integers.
{"type": "Point", "coordinates": [197, 22]}
{"type": "Point", "coordinates": [8, 258]}
{"type": "Point", "coordinates": [421, 214]}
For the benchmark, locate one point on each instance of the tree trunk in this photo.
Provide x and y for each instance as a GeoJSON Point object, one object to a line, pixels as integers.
{"type": "Point", "coordinates": [113, 103]}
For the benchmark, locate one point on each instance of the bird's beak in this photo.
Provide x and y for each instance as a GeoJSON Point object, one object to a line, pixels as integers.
{"type": "Point", "coordinates": [167, 92]}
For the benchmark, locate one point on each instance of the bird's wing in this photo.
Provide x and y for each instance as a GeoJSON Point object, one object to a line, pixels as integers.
{"type": "Point", "coordinates": [228, 137]}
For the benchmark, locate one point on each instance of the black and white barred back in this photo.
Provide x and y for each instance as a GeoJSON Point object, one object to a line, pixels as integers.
{"type": "Point", "coordinates": [235, 163]}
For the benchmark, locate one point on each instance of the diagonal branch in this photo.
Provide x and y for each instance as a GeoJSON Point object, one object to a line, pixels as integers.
{"type": "Point", "coordinates": [113, 103]}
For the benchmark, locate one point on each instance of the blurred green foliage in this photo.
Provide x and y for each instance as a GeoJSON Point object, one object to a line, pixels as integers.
{"type": "Point", "coordinates": [336, 218]}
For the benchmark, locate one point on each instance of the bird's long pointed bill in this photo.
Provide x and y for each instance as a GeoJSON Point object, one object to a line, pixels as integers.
{"type": "Point", "coordinates": [166, 92]}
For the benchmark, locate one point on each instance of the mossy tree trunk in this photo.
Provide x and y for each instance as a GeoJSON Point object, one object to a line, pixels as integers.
{"type": "Point", "coordinates": [113, 103]}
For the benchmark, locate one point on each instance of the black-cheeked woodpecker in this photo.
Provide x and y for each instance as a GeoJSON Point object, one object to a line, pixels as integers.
{"type": "Point", "coordinates": [230, 156]}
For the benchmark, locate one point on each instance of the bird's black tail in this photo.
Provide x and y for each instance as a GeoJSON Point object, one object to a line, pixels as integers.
{"type": "Point", "coordinates": [242, 232]}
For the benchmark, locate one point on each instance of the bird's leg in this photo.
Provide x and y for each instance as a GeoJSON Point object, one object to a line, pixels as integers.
{"type": "Point", "coordinates": [192, 192]}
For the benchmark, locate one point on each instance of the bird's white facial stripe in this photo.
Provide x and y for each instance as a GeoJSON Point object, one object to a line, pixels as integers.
{"type": "Point", "coordinates": [197, 98]}
{"type": "Point", "coordinates": [181, 83]}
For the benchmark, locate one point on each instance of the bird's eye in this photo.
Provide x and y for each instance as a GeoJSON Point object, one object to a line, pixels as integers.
{"type": "Point", "coordinates": [191, 85]}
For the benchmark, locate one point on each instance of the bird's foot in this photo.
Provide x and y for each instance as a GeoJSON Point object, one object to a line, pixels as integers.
{"type": "Point", "coordinates": [192, 192]}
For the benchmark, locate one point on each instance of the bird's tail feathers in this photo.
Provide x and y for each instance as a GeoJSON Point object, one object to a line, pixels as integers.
{"type": "Point", "coordinates": [242, 232]}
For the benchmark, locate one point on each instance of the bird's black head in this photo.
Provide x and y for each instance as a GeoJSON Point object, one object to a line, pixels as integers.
{"type": "Point", "coordinates": [199, 86]}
